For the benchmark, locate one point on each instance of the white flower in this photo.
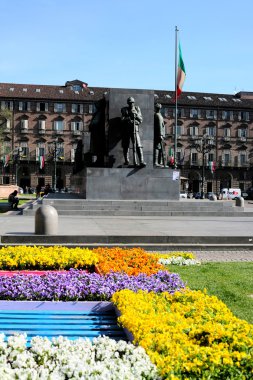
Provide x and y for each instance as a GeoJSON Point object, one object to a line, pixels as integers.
{"type": "Point", "coordinates": [178, 260]}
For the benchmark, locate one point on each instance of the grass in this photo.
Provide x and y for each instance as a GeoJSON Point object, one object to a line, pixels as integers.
{"type": "Point", "coordinates": [22, 200]}
{"type": "Point", "coordinates": [230, 282]}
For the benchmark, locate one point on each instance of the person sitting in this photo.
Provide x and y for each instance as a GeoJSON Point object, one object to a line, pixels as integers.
{"type": "Point", "coordinates": [13, 200]}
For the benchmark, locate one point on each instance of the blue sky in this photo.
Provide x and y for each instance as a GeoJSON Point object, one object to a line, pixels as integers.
{"type": "Point", "coordinates": [128, 43]}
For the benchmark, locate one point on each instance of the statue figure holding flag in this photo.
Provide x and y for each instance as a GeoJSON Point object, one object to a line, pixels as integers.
{"type": "Point", "coordinates": [131, 118]}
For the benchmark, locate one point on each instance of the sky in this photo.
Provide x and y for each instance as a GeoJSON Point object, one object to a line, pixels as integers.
{"type": "Point", "coordinates": [128, 43]}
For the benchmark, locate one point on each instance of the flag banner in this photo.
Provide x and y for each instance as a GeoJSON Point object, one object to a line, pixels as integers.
{"type": "Point", "coordinates": [42, 162]}
{"type": "Point", "coordinates": [171, 157]}
{"type": "Point", "coordinates": [212, 166]}
{"type": "Point", "coordinates": [181, 73]}
{"type": "Point", "coordinates": [6, 160]}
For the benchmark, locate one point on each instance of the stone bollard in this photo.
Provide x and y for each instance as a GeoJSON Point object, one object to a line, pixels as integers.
{"type": "Point", "coordinates": [46, 221]}
{"type": "Point", "coordinates": [239, 202]}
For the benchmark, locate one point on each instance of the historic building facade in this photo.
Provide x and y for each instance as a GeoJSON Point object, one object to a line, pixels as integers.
{"type": "Point", "coordinates": [46, 136]}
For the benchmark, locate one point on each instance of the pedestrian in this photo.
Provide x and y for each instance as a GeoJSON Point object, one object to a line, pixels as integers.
{"type": "Point", "coordinates": [13, 200]}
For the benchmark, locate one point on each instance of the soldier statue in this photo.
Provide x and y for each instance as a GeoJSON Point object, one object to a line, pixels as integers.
{"type": "Point", "coordinates": [159, 135]}
{"type": "Point", "coordinates": [131, 118]}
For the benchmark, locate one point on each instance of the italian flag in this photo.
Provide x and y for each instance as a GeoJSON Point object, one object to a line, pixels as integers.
{"type": "Point", "coordinates": [42, 162]}
{"type": "Point", "coordinates": [171, 156]}
{"type": "Point", "coordinates": [212, 166]}
{"type": "Point", "coordinates": [181, 74]}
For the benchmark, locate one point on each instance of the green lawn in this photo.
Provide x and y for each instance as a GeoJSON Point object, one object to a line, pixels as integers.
{"type": "Point", "coordinates": [230, 282]}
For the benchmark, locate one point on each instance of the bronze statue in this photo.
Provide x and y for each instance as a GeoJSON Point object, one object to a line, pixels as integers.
{"type": "Point", "coordinates": [131, 118]}
{"type": "Point", "coordinates": [159, 135]}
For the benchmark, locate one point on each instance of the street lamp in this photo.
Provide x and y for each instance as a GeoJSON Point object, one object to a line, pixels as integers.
{"type": "Point", "coordinates": [16, 157]}
{"type": "Point", "coordinates": [204, 145]}
{"type": "Point", "coordinates": [54, 153]}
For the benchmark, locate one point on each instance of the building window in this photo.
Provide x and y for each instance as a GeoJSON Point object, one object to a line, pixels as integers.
{"type": "Point", "coordinates": [210, 157]}
{"type": "Point", "coordinates": [226, 132]}
{"type": "Point", "coordinates": [195, 113]}
{"type": "Point", "coordinates": [179, 130]}
{"type": "Point", "coordinates": [165, 111]}
{"type": "Point", "coordinates": [60, 152]}
{"type": "Point", "coordinates": [42, 124]}
{"type": "Point", "coordinates": [242, 132]}
{"type": "Point", "coordinates": [59, 107]}
{"type": "Point", "coordinates": [211, 114]}
{"type": "Point", "coordinates": [77, 108]}
{"type": "Point", "coordinates": [89, 108]}
{"type": "Point", "coordinates": [76, 125]}
{"type": "Point", "coordinates": [24, 106]}
{"type": "Point", "coordinates": [210, 131]}
{"type": "Point", "coordinates": [242, 159]}
{"type": "Point", "coordinates": [194, 130]}
{"type": "Point", "coordinates": [40, 151]}
{"type": "Point", "coordinates": [24, 151]}
{"type": "Point", "coordinates": [59, 125]}
{"type": "Point", "coordinates": [180, 112]}
{"type": "Point", "coordinates": [194, 157]}
{"type": "Point", "coordinates": [76, 87]}
{"type": "Point", "coordinates": [226, 158]}
{"type": "Point", "coordinates": [243, 115]}
{"type": "Point", "coordinates": [24, 124]}
{"type": "Point", "coordinates": [42, 107]}
{"type": "Point", "coordinates": [7, 105]}
{"type": "Point", "coordinates": [227, 115]}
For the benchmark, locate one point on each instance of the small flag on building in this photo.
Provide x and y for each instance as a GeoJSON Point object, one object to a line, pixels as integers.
{"type": "Point", "coordinates": [171, 157]}
{"type": "Point", "coordinates": [212, 166]}
{"type": "Point", "coordinates": [181, 74]}
{"type": "Point", "coordinates": [42, 162]}
{"type": "Point", "coordinates": [6, 160]}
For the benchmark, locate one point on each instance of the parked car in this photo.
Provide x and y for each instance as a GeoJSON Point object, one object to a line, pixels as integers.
{"type": "Point", "coordinates": [245, 195]}
{"type": "Point", "coordinates": [183, 194]}
{"type": "Point", "coordinates": [197, 195]}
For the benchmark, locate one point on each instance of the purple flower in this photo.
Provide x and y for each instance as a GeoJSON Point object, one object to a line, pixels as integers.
{"type": "Point", "coordinates": [79, 285]}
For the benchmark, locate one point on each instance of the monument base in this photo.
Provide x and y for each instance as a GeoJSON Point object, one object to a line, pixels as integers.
{"type": "Point", "coordinates": [132, 183]}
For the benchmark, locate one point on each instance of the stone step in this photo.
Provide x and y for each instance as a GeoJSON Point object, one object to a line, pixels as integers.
{"type": "Point", "coordinates": [138, 207]}
{"type": "Point", "coordinates": [150, 243]}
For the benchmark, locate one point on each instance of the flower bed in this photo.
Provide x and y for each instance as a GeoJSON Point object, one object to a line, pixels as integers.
{"type": "Point", "coordinates": [131, 261]}
{"type": "Point", "coordinates": [101, 359]}
{"type": "Point", "coordinates": [79, 285]}
{"type": "Point", "coordinates": [188, 335]}
{"type": "Point", "coordinates": [45, 258]}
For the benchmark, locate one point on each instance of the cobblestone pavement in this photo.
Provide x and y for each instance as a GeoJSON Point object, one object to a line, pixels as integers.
{"type": "Point", "coordinates": [223, 256]}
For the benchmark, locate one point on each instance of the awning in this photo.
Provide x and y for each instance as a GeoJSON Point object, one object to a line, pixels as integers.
{"type": "Point", "coordinates": [184, 178]}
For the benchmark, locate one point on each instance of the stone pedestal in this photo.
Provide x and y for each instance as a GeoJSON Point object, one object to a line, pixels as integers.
{"type": "Point", "coordinates": [131, 183]}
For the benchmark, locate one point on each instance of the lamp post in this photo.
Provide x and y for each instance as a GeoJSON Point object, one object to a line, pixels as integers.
{"type": "Point", "coordinates": [54, 154]}
{"type": "Point", "coordinates": [16, 158]}
{"type": "Point", "coordinates": [204, 145]}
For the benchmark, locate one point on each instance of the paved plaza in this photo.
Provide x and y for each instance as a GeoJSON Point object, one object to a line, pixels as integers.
{"type": "Point", "coordinates": [13, 223]}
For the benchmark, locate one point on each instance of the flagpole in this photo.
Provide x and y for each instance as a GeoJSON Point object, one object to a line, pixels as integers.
{"type": "Point", "coordinates": [175, 134]}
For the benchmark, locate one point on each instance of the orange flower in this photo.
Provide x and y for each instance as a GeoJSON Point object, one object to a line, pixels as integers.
{"type": "Point", "coordinates": [131, 261]}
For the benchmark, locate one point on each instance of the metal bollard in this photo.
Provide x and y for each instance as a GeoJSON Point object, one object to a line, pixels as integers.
{"type": "Point", "coordinates": [239, 202]}
{"type": "Point", "coordinates": [46, 221]}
